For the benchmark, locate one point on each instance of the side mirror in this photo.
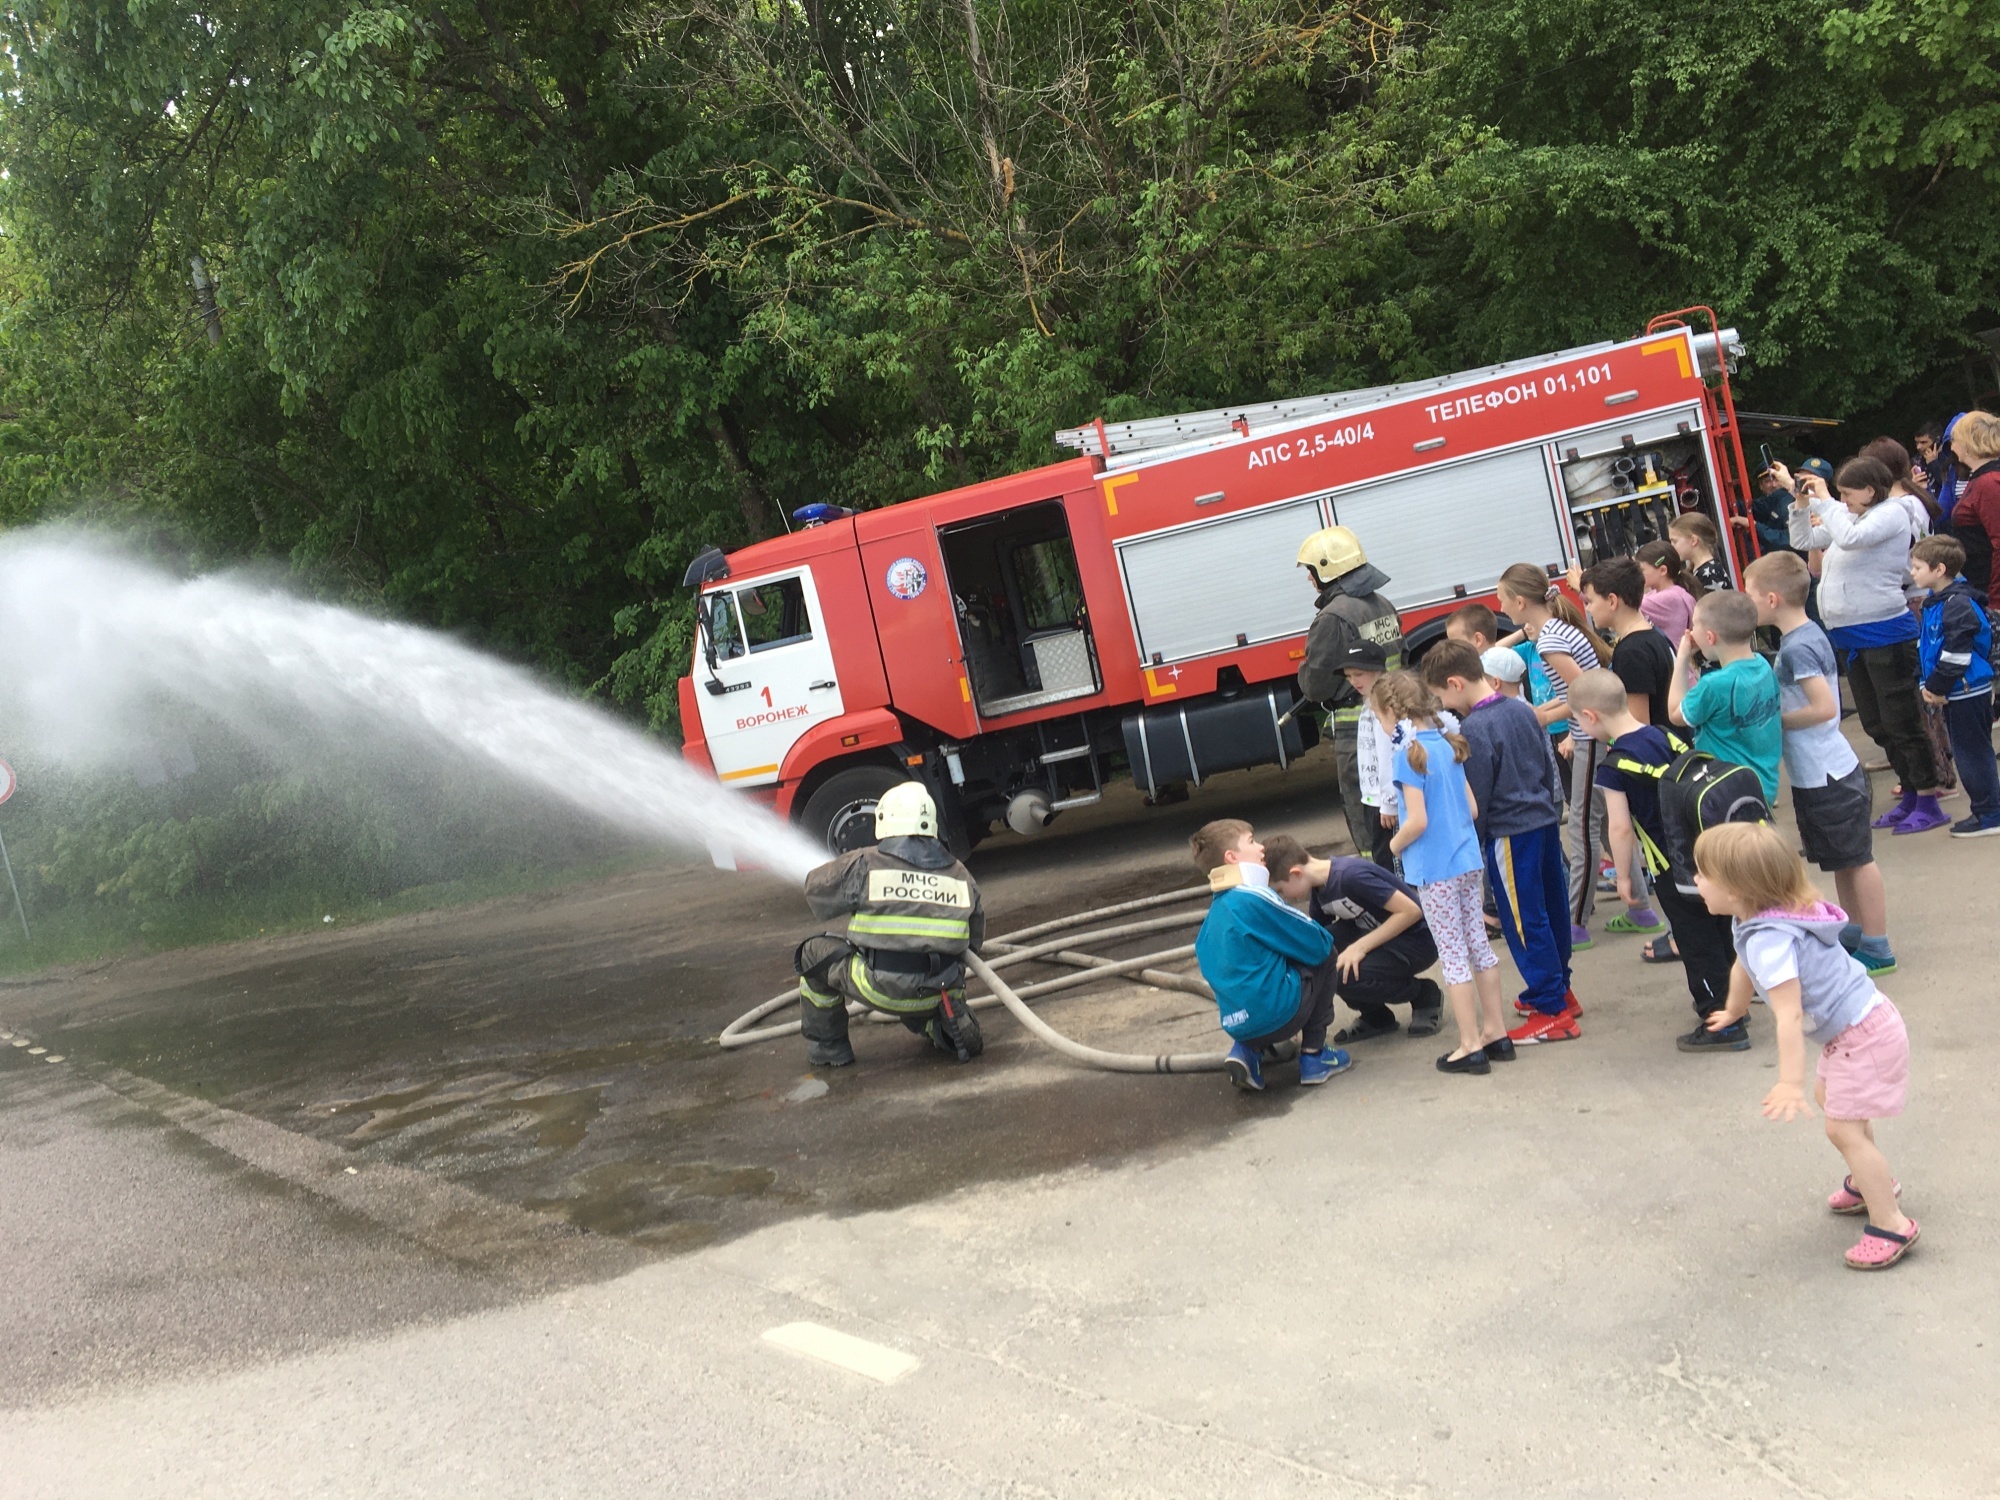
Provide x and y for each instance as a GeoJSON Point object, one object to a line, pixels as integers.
{"type": "Point", "coordinates": [703, 610]}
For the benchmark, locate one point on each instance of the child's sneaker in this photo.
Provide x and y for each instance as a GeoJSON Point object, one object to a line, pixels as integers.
{"type": "Point", "coordinates": [1570, 1007]}
{"type": "Point", "coordinates": [1732, 1038]}
{"type": "Point", "coordinates": [1543, 1028]}
{"type": "Point", "coordinates": [1243, 1068]}
{"type": "Point", "coordinates": [1637, 919]}
{"type": "Point", "coordinates": [1317, 1067]}
{"type": "Point", "coordinates": [1579, 937]}
{"type": "Point", "coordinates": [1974, 827]}
{"type": "Point", "coordinates": [1877, 964]}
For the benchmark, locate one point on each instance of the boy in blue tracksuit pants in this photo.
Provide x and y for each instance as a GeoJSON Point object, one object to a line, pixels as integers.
{"type": "Point", "coordinates": [1518, 787]}
{"type": "Point", "coordinates": [1955, 666]}
{"type": "Point", "coordinates": [1273, 969]}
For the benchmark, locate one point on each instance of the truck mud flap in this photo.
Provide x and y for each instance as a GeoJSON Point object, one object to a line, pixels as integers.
{"type": "Point", "coordinates": [1196, 740]}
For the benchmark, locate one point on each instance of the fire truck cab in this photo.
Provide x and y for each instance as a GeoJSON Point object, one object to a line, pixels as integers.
{"type": "Point", "coordinates": [1137, 609]}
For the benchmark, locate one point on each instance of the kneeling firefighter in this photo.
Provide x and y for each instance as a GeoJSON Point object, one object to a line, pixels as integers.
{"type": "Point", "coordinates": [912, 910]}
{"type": "Point", "coordinates": [1351, 612]}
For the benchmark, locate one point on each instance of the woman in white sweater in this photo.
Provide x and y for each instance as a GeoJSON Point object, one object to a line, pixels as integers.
{"type": "Point", "coordinates": [1866, 538]}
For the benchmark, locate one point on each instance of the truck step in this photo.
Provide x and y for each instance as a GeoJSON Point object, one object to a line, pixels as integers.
{"type": "Point", "coordinates": [1075, 752]}
{"type": "Point", "coordinates": [1084, 801]}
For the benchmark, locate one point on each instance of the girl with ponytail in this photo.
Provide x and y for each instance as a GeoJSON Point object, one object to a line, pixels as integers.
{"type": "Point", "coordinates": [1437, 839]}
{"type": "Point", "coordinates": [1569, 648]}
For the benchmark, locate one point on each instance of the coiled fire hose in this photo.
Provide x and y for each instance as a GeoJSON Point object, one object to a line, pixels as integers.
{"type": "Point", "coordinates": [1020, 947]}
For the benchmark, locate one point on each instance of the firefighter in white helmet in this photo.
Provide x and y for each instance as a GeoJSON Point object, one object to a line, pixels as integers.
{"type": "Point", "coordinates": [912, 912]}
{"type": "Point", "coordinates": [1355, 627]}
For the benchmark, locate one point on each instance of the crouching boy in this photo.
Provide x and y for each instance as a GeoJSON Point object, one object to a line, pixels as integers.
{"type": "Point", "coordinates": [1381, 943]}
{"type": "Point", "coordinates": [912, 911]}
{"type": "Point", "coordinates": [1272, 968]}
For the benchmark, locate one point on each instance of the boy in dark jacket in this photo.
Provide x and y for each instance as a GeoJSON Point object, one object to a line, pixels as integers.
{"type": "Point", "coordinates": [1272, 968]}
{"type": "Point", "coordinates": [1517, 784]}
{"type": "Point", "coordinates": [1381, 943]}
{"type": "Point", "coordinates": [1955, 666]}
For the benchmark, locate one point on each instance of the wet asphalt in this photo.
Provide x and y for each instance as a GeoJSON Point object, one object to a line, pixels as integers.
{"type": "Point", "coordinates": [551, 1060]}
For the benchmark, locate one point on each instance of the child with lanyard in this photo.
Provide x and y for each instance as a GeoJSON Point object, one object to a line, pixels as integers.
{"type": "Point", "coordinates": [1787, 943]}
{"type": "Point", "coordinates": [1436, 838]}
{"type": "Point", "coordinates": [1569, 648]}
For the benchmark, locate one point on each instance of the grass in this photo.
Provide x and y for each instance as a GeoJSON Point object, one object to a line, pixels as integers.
{"type": "Point", "coordinates": [85, 931]}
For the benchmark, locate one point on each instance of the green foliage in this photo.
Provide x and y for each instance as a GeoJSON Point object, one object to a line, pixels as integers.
{"type": "Point", "coordinates": [504, 311]}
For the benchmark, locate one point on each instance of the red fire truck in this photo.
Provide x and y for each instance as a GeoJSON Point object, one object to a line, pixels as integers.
{"type": "Point", "coordinates": [1137, 609]}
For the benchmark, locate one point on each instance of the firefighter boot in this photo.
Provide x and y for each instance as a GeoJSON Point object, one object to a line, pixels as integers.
{"type": "Point", "coordinates": [822, 1008]}
{"type": "Point", "coordinates": [825, 1030]}
{"type": "Point", "coordinates": [953, 1029]}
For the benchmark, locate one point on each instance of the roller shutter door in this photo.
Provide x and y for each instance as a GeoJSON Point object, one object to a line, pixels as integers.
{"type": "Point", "coordinates": [1195, 590]}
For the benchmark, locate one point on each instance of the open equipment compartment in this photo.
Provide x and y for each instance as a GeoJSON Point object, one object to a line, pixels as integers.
{"type": "Point", "coordinates": [1625, 482]}
{"type": "Point", "coordinates": [1021, 610]}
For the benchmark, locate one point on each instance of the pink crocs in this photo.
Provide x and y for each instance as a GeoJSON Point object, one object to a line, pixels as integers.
{"type": "Point", "coordinates": [1879, 1249]}
{"type": "Point", "coordinates": [1844, 1200]}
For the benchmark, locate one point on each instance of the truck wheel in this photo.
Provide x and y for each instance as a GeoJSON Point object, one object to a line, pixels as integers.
{"type": "Point", "coordinates": [841, 814]}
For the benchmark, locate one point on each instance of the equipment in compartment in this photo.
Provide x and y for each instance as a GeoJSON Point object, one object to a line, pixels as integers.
{"type": "Point", "coordinates": [1620, 501]}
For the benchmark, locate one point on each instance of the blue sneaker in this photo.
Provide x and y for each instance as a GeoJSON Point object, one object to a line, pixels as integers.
{"type": "Point", "coordinates": [1875, 962]}
{"type": "Point", "coordinates": [1243, 1068]}
{"type": "Point", "coordinates": [1317, 1067]}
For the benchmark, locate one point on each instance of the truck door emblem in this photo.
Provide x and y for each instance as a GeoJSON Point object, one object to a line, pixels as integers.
{"type": "Point", "coordinates": [906, 578]}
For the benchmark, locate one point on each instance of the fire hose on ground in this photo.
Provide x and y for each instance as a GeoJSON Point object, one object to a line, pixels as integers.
{"type": "Point", "coordinates": [1022, 947]}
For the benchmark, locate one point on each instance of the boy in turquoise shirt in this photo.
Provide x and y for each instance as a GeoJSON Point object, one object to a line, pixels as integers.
{"type": "Point", "coordinates": [1273, 969]}
{"type": "Point", "coordinates": [1733, 710]}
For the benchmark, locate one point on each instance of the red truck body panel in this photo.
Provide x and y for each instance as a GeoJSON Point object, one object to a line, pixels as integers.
{"type": "Point", "coordinates": [1139, 523]}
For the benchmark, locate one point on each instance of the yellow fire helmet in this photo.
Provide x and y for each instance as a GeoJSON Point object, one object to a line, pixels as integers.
{"type": "Point", "coordinates": [1331, 553]}
{"type": "Point", "coordinates": [906, 810]}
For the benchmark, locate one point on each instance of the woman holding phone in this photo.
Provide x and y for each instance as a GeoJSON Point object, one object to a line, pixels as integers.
{"type": "Point", "coordinates": [1865, 536]}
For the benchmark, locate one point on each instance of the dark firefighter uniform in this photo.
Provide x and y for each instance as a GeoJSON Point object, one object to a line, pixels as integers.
{"type": "Point", "coordinates": [912, 910]}
{"type": "Point", "coordinates": [1350, 612]}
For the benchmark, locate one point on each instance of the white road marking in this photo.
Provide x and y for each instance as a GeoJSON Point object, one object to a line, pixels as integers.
{"type": "Point", "coordinates": [876, 1361]}
{"type": "Point", "coordinates": [36, 1051]}
{"type": "Point", "coordinates": [20, 1041]}
{"type": "Point", "coordinates": [53, 1057]}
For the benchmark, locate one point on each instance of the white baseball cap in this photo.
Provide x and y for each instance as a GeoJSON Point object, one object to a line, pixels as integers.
{"type": "Point", "coordinates": [1503, 664]}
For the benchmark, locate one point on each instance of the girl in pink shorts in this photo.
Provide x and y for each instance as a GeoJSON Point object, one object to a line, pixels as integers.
{"type": "Point", "coordinates": [1788, 949]}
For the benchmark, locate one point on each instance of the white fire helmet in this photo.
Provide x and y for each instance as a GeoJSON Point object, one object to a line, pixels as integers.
{"type": "Point", "coordinates": [1331, 553]}
{"type": "Point", "coordinates": [906, 810]}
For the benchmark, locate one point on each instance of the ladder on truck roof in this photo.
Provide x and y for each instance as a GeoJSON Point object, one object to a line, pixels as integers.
{"type": "Point", "coordinates": [1149, 434]}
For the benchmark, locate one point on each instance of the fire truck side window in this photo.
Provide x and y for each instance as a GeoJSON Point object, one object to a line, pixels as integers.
{"type": "Point", "coordinates": [1051, 592]}
{"type": "Point", "coordinates": [774, 614]}
{"type": "Point", "coordinates": [725, 634]}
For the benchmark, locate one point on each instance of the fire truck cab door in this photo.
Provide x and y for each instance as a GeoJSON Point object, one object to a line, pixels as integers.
{"type": "Point", "coordinates": [764, 672]}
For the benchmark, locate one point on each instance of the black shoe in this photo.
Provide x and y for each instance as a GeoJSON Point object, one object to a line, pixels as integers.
{"type": "Point", "coordinates": [1472, 1062]}
{"type": "Point", "coordinates": [830, 1054]}
{"type": "Point", "coordinates": [953, 1030]}
{"type": "Point", "coordinates": [1732, 1038]}
{"type": "Point", "coordinates": [1427, 1010]}
{"type": "Point", "coordinates": [1500, 1051]}
{"type": "Point", "coordinates": [1362, 1029]}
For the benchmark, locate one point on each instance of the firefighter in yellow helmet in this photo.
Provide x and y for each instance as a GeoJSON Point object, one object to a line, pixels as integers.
{"type": "Point", "coordinates": [912, 910]}
{"type": "Point", "coordinates": [1354, 628]}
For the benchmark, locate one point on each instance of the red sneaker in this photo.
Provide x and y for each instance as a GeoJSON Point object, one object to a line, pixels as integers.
{"type": "Point", "coordinates": [1570, 1007]}
{"type": "Point", "coordinates": [1562, 1028]}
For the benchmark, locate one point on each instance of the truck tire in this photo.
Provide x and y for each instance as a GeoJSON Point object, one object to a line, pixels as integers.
{"type": "Point", "coordinates": [841, 814]}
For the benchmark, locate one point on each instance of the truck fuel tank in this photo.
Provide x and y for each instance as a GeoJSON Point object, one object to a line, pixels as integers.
{"type": "Point", "coordinates": [1196, 740]}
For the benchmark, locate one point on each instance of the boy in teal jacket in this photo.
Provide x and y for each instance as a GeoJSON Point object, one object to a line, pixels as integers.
{"type": "Point", "coordinates": [1272, 968]}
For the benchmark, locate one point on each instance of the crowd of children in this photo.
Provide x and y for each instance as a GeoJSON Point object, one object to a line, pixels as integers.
{"type": "Point", "coordinates": [1650, 726]}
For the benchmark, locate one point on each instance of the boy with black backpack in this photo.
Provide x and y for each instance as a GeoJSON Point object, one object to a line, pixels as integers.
{"type": "Point", "coordinates": [1660, 796]}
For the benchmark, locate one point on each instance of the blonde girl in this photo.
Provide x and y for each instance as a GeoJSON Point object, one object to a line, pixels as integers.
{"type": "Point", "coordinates": [1788, 950]}
{"type": "Point", "coordinates": [1435, 835]}
{"type": "Point", "coordinates": [1569, 648]}
{"type": "Point", "coordinates": [1699, 544]}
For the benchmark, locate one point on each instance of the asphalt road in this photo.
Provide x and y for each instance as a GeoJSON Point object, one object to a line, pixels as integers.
{"type": "Point", "coordinates": [469, 1204]}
